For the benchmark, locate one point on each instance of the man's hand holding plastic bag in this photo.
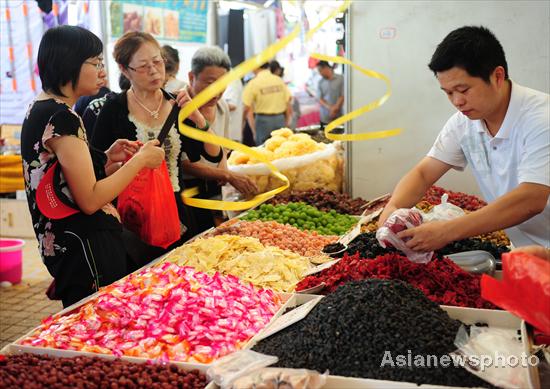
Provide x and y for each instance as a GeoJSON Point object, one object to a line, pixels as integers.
{"type": "Point", "coordinates": [417, 234]}
{"type": "Point", "coordinates": [399, 221]}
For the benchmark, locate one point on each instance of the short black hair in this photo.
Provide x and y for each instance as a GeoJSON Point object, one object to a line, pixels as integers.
{"type": "Point", "coordinates": [274, 66]}
{"type": "Point", "coordinates": [123, 82]}
{"type": "Point", "coordinates": [323, 64]}
{"type": "Point", "coordinates": [265, 66]}
{"type": "Point", "coordinates": [62, 52]}
{"type": "Point", "coordinates": [474, 49]}
{"type": "Point", "coordinates": [171, 58]}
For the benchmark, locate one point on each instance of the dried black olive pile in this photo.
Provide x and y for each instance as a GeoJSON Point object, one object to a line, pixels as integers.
{"type": "Point", "coordinates": [38, 371]}
{"type": "Point", "coordinates": [367, 246]}
{"type": "Point", "coordinates": [350, 331]}
{"type": "Point", "coordinates": [473, 244]}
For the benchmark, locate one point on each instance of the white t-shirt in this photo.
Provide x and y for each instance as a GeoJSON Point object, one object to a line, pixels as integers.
{"type": "Point", "coordinates": [220, 127]}
{"type": "Point", "coordinates": [519, 152]}
{"type": "Point", "coordinates": [234, 95]}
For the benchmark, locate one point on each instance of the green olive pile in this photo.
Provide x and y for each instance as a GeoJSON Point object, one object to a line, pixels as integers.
{"type": "Point", "coordinates": [304, 217]}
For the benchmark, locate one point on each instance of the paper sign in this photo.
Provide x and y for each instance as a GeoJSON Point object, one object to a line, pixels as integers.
{"type": "Point", "coordinates": [322, 267]}
{"type": "Point", "coordinates": [289, 318]}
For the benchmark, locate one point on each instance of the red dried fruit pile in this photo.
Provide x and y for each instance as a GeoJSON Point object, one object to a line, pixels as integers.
{"type": "Point", "coordinates": [463, 200]}
{"type": "Point", "coordinates": [42, 371]}
{"type": "Point", "coordinates": [441, 280]}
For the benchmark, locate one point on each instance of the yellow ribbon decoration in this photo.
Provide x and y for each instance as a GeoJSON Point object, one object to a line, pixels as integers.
{"type": "Point", "coordinates": [206, 95]}
{"type": "Point", "coordinates": [332, 15]}
{"type": "Point", "coordinates": [360, 111]}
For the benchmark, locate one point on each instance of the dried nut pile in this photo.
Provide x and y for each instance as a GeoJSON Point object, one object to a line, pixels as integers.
{"type": "Point", "coordinates": [41, 371]}
{"type": "Point", "coordinates": [497, 238]}
{"type": "Point", "coordinates": [283, 236]}
{"type": "Point", "coordinates": [351, 332]}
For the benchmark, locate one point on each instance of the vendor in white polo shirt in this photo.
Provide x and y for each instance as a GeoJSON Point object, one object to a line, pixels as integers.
{"type": "Point", "coordinates": [501, 130]}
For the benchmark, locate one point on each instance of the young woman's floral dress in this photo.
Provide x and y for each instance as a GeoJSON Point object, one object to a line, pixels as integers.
{"type": "Point", "coordinates": [82, 252]}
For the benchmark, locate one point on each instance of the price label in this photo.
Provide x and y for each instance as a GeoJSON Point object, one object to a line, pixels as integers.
{"type": "Point", "coordinates": [322, 267]}
{"type": "Point", "coordinates": [289, 318]}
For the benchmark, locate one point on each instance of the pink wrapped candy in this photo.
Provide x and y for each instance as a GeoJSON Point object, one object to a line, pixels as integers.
{"type": "Point", "coordinates": [167, 312]}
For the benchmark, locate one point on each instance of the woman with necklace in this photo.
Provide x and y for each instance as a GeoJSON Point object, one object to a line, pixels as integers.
{"type": "Point", "coordinates": [140, 112]}
{"type": "Point", "coordinates": [70, 186]}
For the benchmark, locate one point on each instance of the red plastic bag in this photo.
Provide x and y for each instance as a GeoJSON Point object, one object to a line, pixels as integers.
{"type": "Point", "coordinates": [400, 220]}
{"type": "Point", "coordinates": [148, 207]}
{"type": "Point", "coordinates": [524, 289]}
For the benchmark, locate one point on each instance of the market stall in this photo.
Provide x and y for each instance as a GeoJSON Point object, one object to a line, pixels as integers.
{"type": "Point", "coordinates": [309, 288]}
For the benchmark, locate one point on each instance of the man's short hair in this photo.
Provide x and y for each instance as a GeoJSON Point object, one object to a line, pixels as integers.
{"type": "Point", "coordinates": [209, 56]}
{"type": "Point", "coordinates": [323, 64]}
{"type": "Point", "coordinates": [474, 49]}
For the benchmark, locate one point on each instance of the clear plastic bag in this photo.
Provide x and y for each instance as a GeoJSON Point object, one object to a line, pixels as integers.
{"type": "Point", "coordinates": [494, 355]}
{"type": "Point", "coordinates": [229, 368]}
{"type": "Point", "coordinates": [400, 220]}
{"type": "Point", "coordinates": [281, 378]}
{"type": "Point", "coordinates": [443, 211]}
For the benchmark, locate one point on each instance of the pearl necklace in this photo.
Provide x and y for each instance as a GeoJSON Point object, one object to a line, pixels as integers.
{"type": "Point", "coordinates": [154, 114]}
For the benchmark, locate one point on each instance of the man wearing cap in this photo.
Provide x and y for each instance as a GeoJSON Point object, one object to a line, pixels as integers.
{"type": "Point", "coordinates": [269, 99]}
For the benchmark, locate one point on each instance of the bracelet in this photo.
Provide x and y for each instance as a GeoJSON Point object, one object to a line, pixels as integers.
{"type": "Point", "coordinates": [206, 127]}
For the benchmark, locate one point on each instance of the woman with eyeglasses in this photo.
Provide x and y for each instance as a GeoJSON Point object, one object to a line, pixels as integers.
{"type": "Point", "coordinates": [69, 185]}
{"type": "Point", "coordinates": [140, 112]}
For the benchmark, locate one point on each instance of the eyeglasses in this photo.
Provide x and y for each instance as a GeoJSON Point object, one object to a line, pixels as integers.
{"type": "Point", "coordinates": [99, 66]}
{"type": "Point", "coordinates": [157, 63]}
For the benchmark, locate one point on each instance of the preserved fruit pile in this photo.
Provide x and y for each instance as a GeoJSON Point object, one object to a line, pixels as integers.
{"type": "Point", "coordinates": [465, 201]}
{"type": "Point", "coordinates": [42, 371]}
{"type": "Point", "coordinates": [368, 247]}
{"type": "Point", "coordinates": [351, 331]}
{"type": "Point", "coordinates": [283, 236]}
{"type": "Point", "coordinates": [166, 313]}
{"type": "Point", "coordinates": [304, 217]}
{"type": "Point", "coordinates": [441, 280]}
{"type": "Point", "coordinates": [246, 258]}
{"type": "Point", "coordinates": [323, 200]}
{"type": "Point", "coordinates": [307, 164]}
{"type": "Point", "coordinates": [283, 143]}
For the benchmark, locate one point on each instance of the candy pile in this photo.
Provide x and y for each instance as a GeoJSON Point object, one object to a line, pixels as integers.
{"type": "Point", "coordinates": [351, 332]}
{"type": "Point", "coordinates": [168, 313]}
{"type": "Point", "coordinates": [41, 371]}
{"type": "Point", "coordinates": [304, 217]}
{"type": "Point", "coordinates": [246, 258]}
{"type": "Point", "coordinates": [441, 280]}
{"type": "Point", "coordinates": [465, 201]}
{"type": "Point", "coordinates": [283, 236]}
{"type": "Point", "coordinates": [323, 200]}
